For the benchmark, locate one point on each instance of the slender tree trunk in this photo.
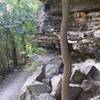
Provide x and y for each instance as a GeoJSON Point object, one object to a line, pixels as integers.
{"type": "Point", "coordinates": [64, 51]}
{"type": "Point", "coordinates": [14, 56]}
{"type": "Point", "coordinates": [24, 47]}
{"type": "Point", "coordinates": [7, 52]}
{"type": "Point", "coordinates": [13, 44]}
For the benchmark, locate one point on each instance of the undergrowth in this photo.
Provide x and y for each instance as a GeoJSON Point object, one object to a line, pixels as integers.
{"type": "Point", "coordinates": [32, 67]}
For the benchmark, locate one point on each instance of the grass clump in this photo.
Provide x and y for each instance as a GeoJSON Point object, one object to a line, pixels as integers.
{"type": "Point", "coordinates": [32, 67]}
{"type": "Point", "coordinates": [32, 50]}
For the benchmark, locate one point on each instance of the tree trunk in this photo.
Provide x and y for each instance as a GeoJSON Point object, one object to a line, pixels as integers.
{"type": "Point", "coordinates": [14, 56]}
{"type": "Point", "coordinates": [13, 44]}
{"type": "Point", "coordinates": [24, 47]}
{"type": "Point", "coordinates": [64, 51]}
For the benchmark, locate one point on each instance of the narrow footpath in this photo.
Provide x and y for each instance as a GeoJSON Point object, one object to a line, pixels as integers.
{"type": "Point", "coordinates": [10, 87]}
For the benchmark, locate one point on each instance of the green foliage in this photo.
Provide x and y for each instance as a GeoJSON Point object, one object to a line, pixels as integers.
{"type": "Point", "coordinates": [32, 67]}
{"type": "Point", "coordinates": [31, 50]}
{"type": "Point", "coordinates": [18, 21]}
{"type": "Point", "coordinates": [39, 50]}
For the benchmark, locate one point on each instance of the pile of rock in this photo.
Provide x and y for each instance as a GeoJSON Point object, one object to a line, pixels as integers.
{"type": "Point", "coordinates": [39, 85]}
{"type": "Point", "coordinates": [86, 76]}
{"type": "Point", "coordinates": [45, 83]}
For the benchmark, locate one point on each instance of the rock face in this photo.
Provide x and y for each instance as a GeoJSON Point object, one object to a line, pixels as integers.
{"type": "Point", "coordinates": [54, 14]}
{"type": "Point", "coordinates": [84, 44]}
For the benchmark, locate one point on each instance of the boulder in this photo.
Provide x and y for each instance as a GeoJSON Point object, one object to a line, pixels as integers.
{"type": "Point", "coordinates": [88, 85]}
{"type": "Point", "coordinates": [77, 77]}
{"type": "Point", "coordinates": [56, 86]}
{"type": "Point", "coordinates": [38, 75]}
{"type": "Point", "coordinates": [47, 81]}
{"type": "Point", "coordinates": [94, 74]}
{"type": "Point", "coordinates": [34, 89]}
{"type": "Point", "coordinates": [83, 67]}
{"type": "Point", "coordinates": [81, 70]}
{"type": "Point", "coordinates": [38, 88]}
{"type": "Point", "coordinates": [75, 91]}
{"type": "Point", "coordinates": [53, 68]}
{"type": "Point", "coordinates": [90, 89]}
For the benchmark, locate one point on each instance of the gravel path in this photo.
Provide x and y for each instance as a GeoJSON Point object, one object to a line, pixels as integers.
{"type": "Point", "coordinates": [10, 87]}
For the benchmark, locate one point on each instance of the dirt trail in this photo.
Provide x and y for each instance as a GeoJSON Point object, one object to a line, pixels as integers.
{"type": "Point", "coordinates": [10, 87]}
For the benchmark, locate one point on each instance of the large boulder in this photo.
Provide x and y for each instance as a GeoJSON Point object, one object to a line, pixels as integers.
{"type": "Point", "coordinates": [94, 73]}
{"type": "Point", "coordinates": [77, 77]}
{"type": "Point", "coordinates": [34, 89]}
{"type": "Point", "coordinates": [81, 70]}
{"type": "Point", "coordinates": [53, 67]}
{"type": "Point", "coordinates": [83, 67]}
{"type": "Point", "coordinates": [75, 91]}
{"type": "Point", "coordinates": [91, 85]}
{"type": "Point", "coordinates": [88, 85]}
{"type": "Point", "coordinates": [56, 86]}
{"type": "Point", "coordinates": [38, 75]}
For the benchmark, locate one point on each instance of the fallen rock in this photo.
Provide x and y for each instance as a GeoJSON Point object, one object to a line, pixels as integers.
{"type": "Point", "coordinates": [56, 86]}
{"type": "Point", "coordinates": [47, 81]}
{"type": "Point", "coordinates": [38, 75]}
{"type": "Point", "coordinates": [75, 91]}
{"type": "Point", "coordinates": [37, 88]}
{"type": "Point", "coordinates": [94, 74]}
{"type": "Point", "coordinates": [88, 85]}
{"type": "Point", "coordinates": [90, 89]}
{"type": "Point", "coordinates": [81, 70]}
{"type": "Point", "coordinates": [34, 89]}
{"type": "Point", "coordinates": [53, 68]}
{"type": "Point", "coordinates": [83, 67]}
{"type": "Point", "coordinates": [77, 77]}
